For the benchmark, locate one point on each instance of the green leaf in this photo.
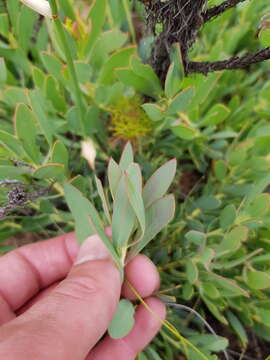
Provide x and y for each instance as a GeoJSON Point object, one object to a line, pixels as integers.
{"type": "Point", "coordinates": [14, 95]}
{"type": "Point", "coordinates": [206, 256]}
{"type": "Point", "coordinates": [238, 260]}
{"type": "Point", "coordinates": [39, 77]}
{"type": "Point", "coordinates": [258, 280]}
{"type": "Point", "coordinates": [196, 237]}
{"type": "Point", "coordinates": [237, 327]}
{"type": "Point", "coordinates": [208, 203]}
{"type": "Point", "coordinates": [227, 216]}
{"type": "Point", "coordinates": [82, 210]}
{"type": "Point", "coordinates": [257, 188]}
{"type": "Point", "coordinates": [114, 176]}
{"type": "Point", "coordinates": [80, 183]}
{"type": "Point", "coordinates": [13, 11]}
{"type": "Point", "coordinates": [159, 182]}
{"type": "Point", "coordinates": [147, 73]}
{"type": "Point", "coordinates": [83, 70]}
{"type": "Point", "coordinates": [214, 310]}
{"type": "Point", "coordinates": [187, 291]}
{"type": "Point", "coordinates": [220, 169]}
{"type": "Point", "coordinates": [67, 7]}
{"type": "Point", "coordinates": [60, 154]}
{"type": "Point", "coordinates": [204, 86]}
{"type": "Point", "coordinates": [192, 272]}
{"type": "Point", "coordinates": [52, 65]}
{"type": "Point", "coordinates": [72, 116]}
{"type": "Point", "coordinates": [54, 95]}
{"type": "Point", "coordinates": [4, 24]}
{"type": "Point", "coordinates": [25, 125]}
{"type": "Point", "coordinates": [217, 114]}
{"type": "Point", "coordinates": [264, 36]}
{"type": "Point", "coordinates": [259, 206]}
{"type": "Point", "coordinates": [210, 290]}
{"type": "Point", "coordinates": [50, 171]}
{"type": "Point", "coordinates": [181, 101]}
{"type": "Point", "coordinates": [264, 315]}
{"type": "Point", "coordinates": [153, 111]}
{"type": "Point", "coordinates": [58, 46]}
{"type": "Point", "coordinates": [26, 22]}
{"type": "Point", "coordinates": [210, 342]}
{"type": "Point", "coordinates": [261, 259]}
{"type": "Point", "coordinates": [127, 157]}
{"type": "Point", "coordinates": [184, 132]}
{"type": "Point", "coordinates": [42, 38]}
{"type": "Point", "coordinates": [176, 73]}
{"type": "Point", "coordinates": [106, 95]}
{"type": "Point", "coordinates": [262, 331]}
{"type": "Point", "coordinates": [158, 215]}
{"type": "Point", "coordinates": [233, 240]}
{"type": "Point", "coordinates": [97, 15]}
{"type": "Point", "coordinates": [118, 59]}
{"type": "Point", "coordinates": [173, 81]}
{"type": "Point", "coordinates": [3, 71]}
{"type": "Point", "coordinates": [135, 175]}
{"type": "Point", "coordinates": [134, 192]}
{"type": "Point", "coordinates": [12, 144]}
{"type": "Point", "coordinates": [152, 353]}
{"type": "Point", "coordinates": [108, 42]}
{"type": "Point", "coordinates": [123, 218]}
{"type": "Point", "coordinates": [236, 155]}
{"type": "Point", "coordinates": [13, 172]}
{"type": "Point", "coordinates": [38, 106]}
{"type": "Point", "coordinates": [129, 78]}
{"type": "Point", "coordinates": [142, 356]}
{"type": "Point", "coordinates": [17, 56]}
{"type": "Point", "coordinates": [228, 285]}
{"type": "Point", "coordinates": [123, 320]}
{"type": "Point", "coordinates": [103, 199]}
{"type": "Point", "coordinates": [99, 230]}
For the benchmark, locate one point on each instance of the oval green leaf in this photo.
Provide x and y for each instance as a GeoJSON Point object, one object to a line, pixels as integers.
{"type": "Point", "coordinates": [123, 320]}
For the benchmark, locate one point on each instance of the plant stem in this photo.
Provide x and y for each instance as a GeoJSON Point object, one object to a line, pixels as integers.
{"type": "Point", "coordinates": [67, 52]}
{"type": "Point", "coordinates": [129, 20]}
{"type": "Point", "coordinates": [109, 15]}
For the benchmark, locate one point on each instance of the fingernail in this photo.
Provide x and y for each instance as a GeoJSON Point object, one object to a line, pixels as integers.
{"type": "Point", "coordinates": [92, 249]}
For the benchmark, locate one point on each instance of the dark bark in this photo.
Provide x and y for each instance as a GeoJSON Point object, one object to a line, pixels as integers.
{"type": "Point", "coordinates": [181, 20]}
{"type": "Point", "coordinates": [232, 63]}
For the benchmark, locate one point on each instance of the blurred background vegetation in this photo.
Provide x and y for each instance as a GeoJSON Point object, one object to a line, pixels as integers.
{"type": "Point", "coordinates": [214, 256]}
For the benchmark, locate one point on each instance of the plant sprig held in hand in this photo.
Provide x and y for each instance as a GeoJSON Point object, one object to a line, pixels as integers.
{"type": "Point", "coordinates": [139, 213]}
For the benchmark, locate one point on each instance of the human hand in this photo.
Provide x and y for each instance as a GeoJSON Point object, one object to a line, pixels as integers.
{"type": "Point", "coordinates": [52, 308]}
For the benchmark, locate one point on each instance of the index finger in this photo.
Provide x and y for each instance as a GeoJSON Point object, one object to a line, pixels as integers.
{"type": "Point", "coordinates": [31, 268]}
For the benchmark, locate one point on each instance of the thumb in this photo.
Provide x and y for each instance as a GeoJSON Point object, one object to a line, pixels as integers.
{"type": "Point", "coordinates": [74, 316]}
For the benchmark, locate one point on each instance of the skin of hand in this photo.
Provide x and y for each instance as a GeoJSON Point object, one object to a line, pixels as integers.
{"type": "Point", "coordinates": [57, 300]}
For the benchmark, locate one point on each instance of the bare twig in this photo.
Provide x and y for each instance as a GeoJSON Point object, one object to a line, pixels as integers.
{"type": "Point", "coordinates": [18, 195]}
{"type": "Point", "coordinates": [233, 63]}
{"type": "Point", "coordinates": [219, 9]}
{"type": "Point", "coordinates": [7, 182]}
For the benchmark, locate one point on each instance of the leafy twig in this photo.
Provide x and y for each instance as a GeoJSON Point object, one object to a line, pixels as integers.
{"type": "Point", "coordinates": [73, 74]}
{"type": "Point", "coordinates": [181, 20]}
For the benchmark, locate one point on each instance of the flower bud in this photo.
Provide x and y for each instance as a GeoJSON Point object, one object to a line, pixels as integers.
{"type": "Point", "coordinates": [40, 6]}
{"type": "Point", "coordinates": [89, 152]}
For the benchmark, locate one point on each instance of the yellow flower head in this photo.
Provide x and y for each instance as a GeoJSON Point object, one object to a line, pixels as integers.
{"type": "Point", "coordinates": [128, 120]}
